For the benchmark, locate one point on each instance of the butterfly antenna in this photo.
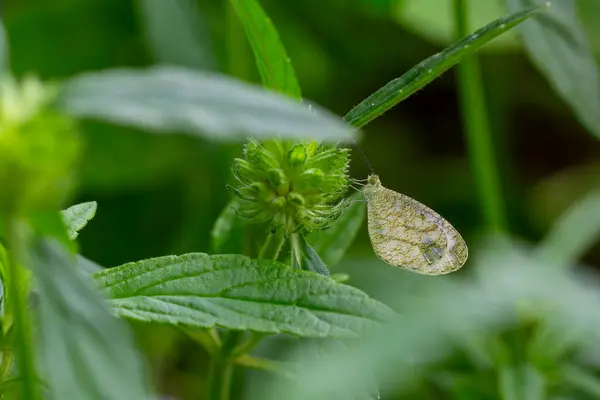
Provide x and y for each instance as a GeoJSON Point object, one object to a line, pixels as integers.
{"type": "Point", "coordinates": [364, 157]}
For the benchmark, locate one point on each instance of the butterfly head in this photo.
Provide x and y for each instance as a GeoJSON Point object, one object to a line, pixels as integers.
{"type": "Point", "coordinates": [373, 183]}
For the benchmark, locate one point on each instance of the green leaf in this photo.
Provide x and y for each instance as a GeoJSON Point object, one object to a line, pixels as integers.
{"type": "Point", "coordinates": [87, 266]}
{"type": "Point", "coordinates": [333, 243]}
{"type": "Point", "coordinates": [236, 292]}
{"type": "Point", "coordinates": [305, 257]}
{"type": "Point", "coordinates": [164, 99]}
{"type": "Point", "coordinates": [175, 33]}
{"type": "Point", "coordinates": [77, 217]}
{"type": "Point", "coordinates": [85, 352]}
{"type": "Point", "coordinates": [51, 224]}
{"type": "Point", "coordinates": [557, 44]}
{"type": "Point", "coordinates": [576, 231]}
{"type": "Point", "coordinates": [426, 71]}
{"type": "Point", "coordinates": [228, 233]}
{"type": "Point", "coordinates": [273, 62]}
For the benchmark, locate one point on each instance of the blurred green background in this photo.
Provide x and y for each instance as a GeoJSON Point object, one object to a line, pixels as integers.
{"type": "Point", "coordinates": [160, 194]}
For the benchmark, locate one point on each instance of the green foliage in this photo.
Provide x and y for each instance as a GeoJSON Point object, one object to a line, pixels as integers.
{"type": "Point", "coordinates": [273, 63]}
{"type": "Point", "coordinates": [38, 147]}
{"type": "Point", "coordinates": [235, 292]}
{"type": "Point", "coordinates": [427, 70]}
{"type": "Point", "coordinates": [174, 99]}
{"type": "Point", "coordinates": [510, 326]}
{"type": "Point", "coordinates": [82, 347]}
{"type": "Point", "coordinates": [559, 47]}
{"type": "Point", "coordinates": [77, 217]}
{"type": "Point", "coordinates": [175, 33]}
{"type": "Point", "coordinates": [333, 243]}
{"type": "Point", "coordinates": [291, 187]}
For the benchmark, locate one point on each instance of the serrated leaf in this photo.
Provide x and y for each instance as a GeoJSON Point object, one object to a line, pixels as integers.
{"type": "Point", "coordinates": [333, 243]}
{"type": "Point", "coordinates": [557, 44]}
{"type": "Point", "coordinates": [575, 232]}
{"type": "Point", "coordinates": [83, 347]}
{"type": "Point", "coordinates": [273, 62]}
{"type": "Point", "coordinates": [228, 233]}
{"type": "Point", "coordinates": [77, 217]}
{"type": "Point", "coordinates": [175, 32]}
{"type": "Point", "coordinates": [236, 292]}
{"type": "Point", "coordinates": [426, 71]}
{"type": "Point", "coordinates": [163, 99]}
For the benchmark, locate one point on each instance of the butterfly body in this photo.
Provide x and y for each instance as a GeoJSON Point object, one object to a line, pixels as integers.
{"type": "Point", "coordinates": [410, 235]}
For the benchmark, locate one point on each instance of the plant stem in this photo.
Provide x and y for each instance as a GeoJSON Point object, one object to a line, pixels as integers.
{"type": "Point", "coordinates": [272, 247]}
{"type": "Point", "coordinates": [477, 127]}
{"type": "Point", "coordinates": [221, 367]}
{"type": "Point", "coordinates": [276, 367]}
{"type": "Point", "coordinates": [19, 291]}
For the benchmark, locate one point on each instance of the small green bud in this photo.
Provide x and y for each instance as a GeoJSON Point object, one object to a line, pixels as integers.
{"type": "Point", "coordinates": [279, 202]}
{"type": "Point", "coordinates": [296, 199]}
{"type": "Point", "coordinates": [261, 192]}
{"type": "Point", "coordinates": [277, 179]}
{"type": "Point", "coordinates": [297, 155]}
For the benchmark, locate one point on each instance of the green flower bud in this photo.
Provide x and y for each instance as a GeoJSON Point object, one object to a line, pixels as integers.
{"type": "Point", "coordinates": [38, 148]}
{"type": "Point", "coordinates": [296, 199]}
{"type": "Point", "coordinates": [294, 187]}
{"type": "Point", "coordinates": [297, 155]}
{"type": "Point", "coordinates": [278, 179]}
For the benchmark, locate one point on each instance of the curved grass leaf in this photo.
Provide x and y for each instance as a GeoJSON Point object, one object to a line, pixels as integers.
{"type": "Point", "coordinates": [236, 292]}
{"type": "Point", "coordinates": [164, 99]}
{"type": "Point", "coordinates": [426, 71]}
{"type": "Point", "coordinates": [77, 217]}
{"type": "Point", "coordinates": [272, 61]}
{"type": "Point", "coordinates": [333, 243]}
{"type": "Point", "coordinates": [86, 353]}
{"type": "Point", "coordinates": [175, 32]}
{"type": "Point", "coordinates": [557, 44]}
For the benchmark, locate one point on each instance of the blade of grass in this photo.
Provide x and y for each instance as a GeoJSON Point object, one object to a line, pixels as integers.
{"type": "Point", "coordinates": [272, 61]}
{"type": "Point", "coordinates": [426, 71]}
{"type": "Point", "coordinates": [477, 128]}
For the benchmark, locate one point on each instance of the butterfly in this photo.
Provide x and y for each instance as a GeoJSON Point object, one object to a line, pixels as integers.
{"type": "Point", "coordinates": [410, 235]}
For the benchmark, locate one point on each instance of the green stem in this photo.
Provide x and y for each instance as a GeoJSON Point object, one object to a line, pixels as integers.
{"type": "Point", "coordinates": [18, 295]}
{"type": "Point", "coordinates": [272, 247]}
{"type": "Point", "coordinates": [221, 367]}
{"type": "Point", "coordinates": [477, 127]}
{"type": "Point", "coordinates": [219, 379]}
{"type": "Point", "coordinates": [276, 367]}
{"type": "Point", "coordinates": [244, 348]}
